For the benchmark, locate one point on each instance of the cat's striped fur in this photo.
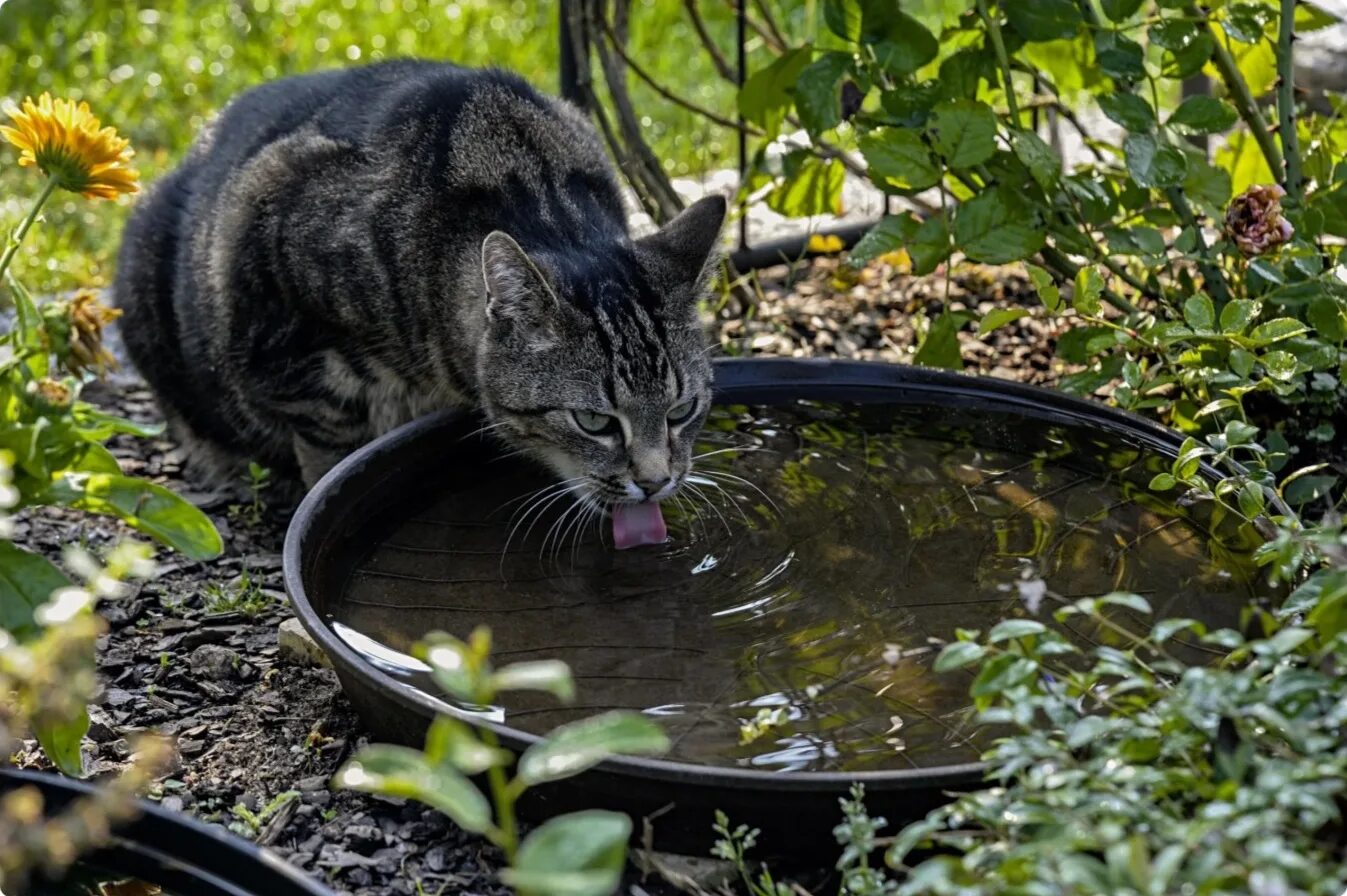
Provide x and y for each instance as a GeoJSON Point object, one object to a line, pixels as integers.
{"type": "Point", "coordinates": [343, 251]}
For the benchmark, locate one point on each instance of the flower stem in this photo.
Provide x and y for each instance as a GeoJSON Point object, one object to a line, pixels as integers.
{"type": "Point", "coordinates": [503, 795]}
{"type": "Point", "coordinates": [17, 239]}
{"type": "Point", "coordinates": [1240, 94]}
{"type": "Point", "coordinates": [994, 29]}
{"type": "Point", "coordinates": [1286, 100]}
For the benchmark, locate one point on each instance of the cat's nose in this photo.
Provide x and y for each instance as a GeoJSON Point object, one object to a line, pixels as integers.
{"type": "Point", "coordinates": [652, 487]}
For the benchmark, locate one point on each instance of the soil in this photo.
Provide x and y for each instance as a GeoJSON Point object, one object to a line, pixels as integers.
{"type": "Point", "coordinates": [194, 654]}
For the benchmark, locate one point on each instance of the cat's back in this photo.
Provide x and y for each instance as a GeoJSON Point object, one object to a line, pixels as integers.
{"type": "Point", "coordinates": [478, 125]}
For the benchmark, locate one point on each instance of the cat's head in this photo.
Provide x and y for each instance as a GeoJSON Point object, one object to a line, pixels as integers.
{"type": "Point", "coordinates": [594, 361]}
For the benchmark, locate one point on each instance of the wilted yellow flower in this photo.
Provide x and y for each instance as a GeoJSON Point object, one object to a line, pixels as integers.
{"type": "Point", "coordinates": [74, 330]}
{"type": "Point", "coordinates": [51, 392]}
{"type": "Point", "coordinates": [66, 141]}
{"type": "Point", "coordinates": [1254, 220]}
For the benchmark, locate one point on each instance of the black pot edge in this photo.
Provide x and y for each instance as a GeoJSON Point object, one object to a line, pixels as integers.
{"type": "Point", "coordinates": [762, 376]}
{"type": "Point", "coordinates": [175, 851]}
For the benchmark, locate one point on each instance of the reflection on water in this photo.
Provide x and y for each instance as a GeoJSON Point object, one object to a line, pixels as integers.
{"type": "Point", "coordinates": [788, 623]}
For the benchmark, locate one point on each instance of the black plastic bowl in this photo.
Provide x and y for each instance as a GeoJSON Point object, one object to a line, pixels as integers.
{"type": "Point", "coordinates": [179, 854]}
{"type": "Point", "coordinates": [796, 811]}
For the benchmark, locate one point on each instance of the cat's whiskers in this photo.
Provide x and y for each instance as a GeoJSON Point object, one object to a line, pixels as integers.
{"type": "Point", "coordinates": [693, 491]}
{"type": "Point", "coordinates": [549, 495]}
{"type": "Point", "coordinates": [697, 479]}
{"type": "Point", "coordinates": [731, 477]}
{"type": "Point", "coordinates": [744, 449]}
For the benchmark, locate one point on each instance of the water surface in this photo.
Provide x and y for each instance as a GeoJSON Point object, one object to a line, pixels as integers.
{"type": "Point", "coordinates": [788, 623]}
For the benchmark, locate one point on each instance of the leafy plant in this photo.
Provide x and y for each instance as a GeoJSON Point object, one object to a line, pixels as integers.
{"type": "Point", "coordinates": [249, 823]}
{"type": "Point", "coordinates": [243, 595]}
{"type": "Point", "coordinates": [257, 482]}
{"type": "Point", "coordinates": [1199, 331]}
{"type": "Point", "coordinates": [53, 442]}
{"type": "Point", "coordinates": [580, 854]}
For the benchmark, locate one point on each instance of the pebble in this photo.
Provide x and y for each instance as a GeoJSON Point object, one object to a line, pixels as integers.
{"type": "Point", "coordinates": [298, 648]}
{"type": "Point", "coordinates": [215, 662]}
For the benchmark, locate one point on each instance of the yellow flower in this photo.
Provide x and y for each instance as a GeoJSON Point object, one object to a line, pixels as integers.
{"type": "Point", "coordinates": [66, 142]}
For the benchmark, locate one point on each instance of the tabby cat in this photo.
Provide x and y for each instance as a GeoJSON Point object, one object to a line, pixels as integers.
{"type": "Point", "coordinates": [341, 252]}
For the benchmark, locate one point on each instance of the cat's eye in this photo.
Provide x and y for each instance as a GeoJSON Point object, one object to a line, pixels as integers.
{"type": "Point", "coordinates": [681, 412]}
{"type": "Point", "coordinates": [597, 424]}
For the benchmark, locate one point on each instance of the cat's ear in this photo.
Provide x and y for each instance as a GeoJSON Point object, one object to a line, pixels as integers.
{"type": "Point", "coordinates": [685, 248]}
{"type": "Point", "coordinates": [515, 289]}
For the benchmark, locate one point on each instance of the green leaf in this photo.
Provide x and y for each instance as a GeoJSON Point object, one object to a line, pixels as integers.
{"type": "Point", "coordinates": [1130, 601]}
{"type": "Point", "coordinates": [450, 664]}
{"type": "Point", "coordinates": [1118, 56]}
{"type": "Point", "coordinates": [581, 854]}
{"type": "Point", "coordinates": [1128, 110]}
{"type": "Point", "coordinates": [27, 581]}
{"type": "Point", "coordinates": [1002, 672]}
{"type": "Point", "coordinates": [581, 745]}
{"type": "Point", "coordinates": [900, 158]}
{"type": "Point", "coordinates": [1046, 287]}
{"type": "Point", "coordinates": [998, 226]}
{"type": "Point", "coordinates": [150, 508]}
{"type": "Point", "coordinates": [98, 426]}
{"type": "Point", "coordinates": [1153, 164]}
{"type": "Point", "coordinates": [957, 655]}
{"type": "Point", "coordinates": [1247, 22]}
{"type": "Point", "coordinates": [909, 838]}
{"type": "Point", "coordinates": [61, 742]}
{"type": "Point", "coordinates": [930, 245]}
{"type": "Point", "coordinates": [1089, 287]}
{"type": "Point", "coordinates": [1203, 115]}
{"type": "Point", "coordinates": [1241, 361]}
{"type": "Point", "coordinates": [1165, 629]}
{"type": "Point", "coordinates": [1043, 164]}
{"type": "Point", "coordinates": [552, 676]}
{"type": "Point", "coordinates": [1199, 313]}
{"type": "Point", "coordinates": [1277, 329]}
{"type": "Point", "coordinates": [900, 43]}
{"type": "Point", "coordinates": [1009, 629]}
{"type": "Point", "coordinates": [766, 95]}
{"type": "Point", "coordinates": [1328, 317]}
{"type": "Point", "coordinates": [964, 132]}
{"type": "Point", "coordinates": [1280, 365]}
{"type": "Point", "coordinates": [1162, 482]}
{"type": "Point", "coordinates": [818, 95]}
{"type": "Point", "coordinates": [1236, 314]}
{"type": "Point", "coordinates": [940, 348]}
{"type": "Point", "coordinates": [1120, 10]}
{"type": "Point", "coordinates": [1040, 20]}
{"type": "Point", "coordinates": [999, 317]}
{"type": "Point", "coordinates": [405, 773]}
{"type": "Point", "coordinates": [891, 233]}
{"type": "Point", "coordinates": [814, 189]}
{"type": "Point", "coordinates": [452, 741]}
{"type": "Point", "coordinates": [843, 18]}
{"type": "Point", "coordinates": [1208, 186]}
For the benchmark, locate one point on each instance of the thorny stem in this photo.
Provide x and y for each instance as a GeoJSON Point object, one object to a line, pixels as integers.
{"type": "Point", "coordinates": [24, 226]}
{"type": "Point", "coordinates": [994, 29]}
{"type": "Point", "coordinates": [1240, 94]}
{"type": "Point", "coordinates": [1286, 99]}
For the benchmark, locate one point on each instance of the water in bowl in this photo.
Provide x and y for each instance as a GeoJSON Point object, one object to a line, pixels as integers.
{"type": "Point", "coordinates": [816, 556]}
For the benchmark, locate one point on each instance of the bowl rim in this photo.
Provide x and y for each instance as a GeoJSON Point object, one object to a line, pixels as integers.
{"type": "Point", "coordinates": [754, 375]}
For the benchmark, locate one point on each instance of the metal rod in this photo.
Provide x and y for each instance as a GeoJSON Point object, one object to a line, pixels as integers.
{"type": "Point", "coordinates": [742, 75]}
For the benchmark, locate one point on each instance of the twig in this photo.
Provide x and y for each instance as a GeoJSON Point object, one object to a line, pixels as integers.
{"type": "Point", "coordinates": [1286, 99]}
{"type": "Point", "coordinates": [772, 43]}
{"type": "Point", "coordinates": [668, 94]}
{"type": "Point", "coordinates": [717, 58]}
{"type": "Point", "coordinates": [994, 29]}
{"type": "Point", "coordinates": [770, 22]}
{"type": "Point", "coordinates": [1067, 270]}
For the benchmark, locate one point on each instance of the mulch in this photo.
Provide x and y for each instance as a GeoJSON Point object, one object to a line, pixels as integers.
{"type": "Point", "coordinates": [258, 738]}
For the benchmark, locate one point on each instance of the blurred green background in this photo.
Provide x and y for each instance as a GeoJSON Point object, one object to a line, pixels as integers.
{"type": "Point", "coordinates": [157, 70]}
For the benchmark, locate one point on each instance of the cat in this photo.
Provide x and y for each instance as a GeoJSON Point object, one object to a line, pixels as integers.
{"type": "Point", "coordinates": [341, 252]}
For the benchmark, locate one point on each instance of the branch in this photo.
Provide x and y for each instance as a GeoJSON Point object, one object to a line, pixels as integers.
{"type": "Point", "coordinates": [1286, 101]}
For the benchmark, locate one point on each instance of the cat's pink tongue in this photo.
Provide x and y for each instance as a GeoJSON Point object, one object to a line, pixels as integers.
{"type": "Point", "coordinates": [637, 524]}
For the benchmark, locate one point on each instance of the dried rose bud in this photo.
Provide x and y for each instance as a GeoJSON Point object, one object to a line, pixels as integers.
{"type": "Point", "coordinates": [1254, 220]}
{"type": "Point", "coordinates": [75, 333]}
{"type": "Point", "coordinates": [852, 97]}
